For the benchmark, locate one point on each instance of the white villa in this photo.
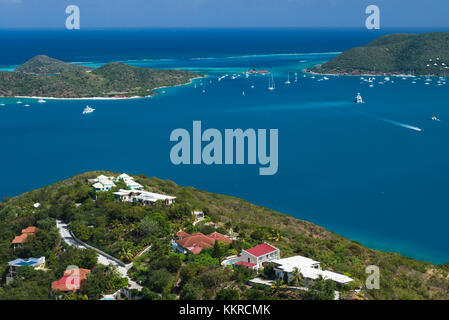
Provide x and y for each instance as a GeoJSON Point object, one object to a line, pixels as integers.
{"type": "Point", "coordinates": [255, 257]}
{"type": "Point", "coordinates": [129, 181]}
{"type": "Point", "coordinates": [197, 216]}
{"type": "Point", "coordinates": [103, 183]}
{"type": "Point", "coordinates": [310, 270]}
{"type": "Point", "coordinates": [144, 197]}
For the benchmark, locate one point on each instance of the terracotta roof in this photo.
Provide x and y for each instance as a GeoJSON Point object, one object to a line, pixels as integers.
{"type": "Point", "coordinates": [219, 237]}
{"type": "Point", "coordinates": [196, 250]}
{"type": "Point", "coordinates": [196, 242]}
{"type": "Point", "coordinates": [245, 264]}
{"type": "Point", "coordinates": [261, 249]}
{"type": "Point", "coordinates": [71, 281]}
{"type": "Point", "coordinates": [20, 239]}
{"type": "Point", "coordinates": [29, 230]}
{"type": "Point", "coordinates": [82, 273]}
{"type": "Point", "coordinates": [25, 232]}
{"type": "Point", "coordinates": [182, 234]}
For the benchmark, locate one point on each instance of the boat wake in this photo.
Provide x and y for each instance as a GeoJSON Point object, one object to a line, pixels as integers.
{"type": "Point", "coordinates": [393, 122]}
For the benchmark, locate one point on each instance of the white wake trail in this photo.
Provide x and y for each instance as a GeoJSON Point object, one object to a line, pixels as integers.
{"type": "Point", "coordinates": [393, 122]}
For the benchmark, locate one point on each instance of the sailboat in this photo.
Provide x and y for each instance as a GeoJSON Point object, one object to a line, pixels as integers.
{"type": "Point", "coordinates": [288, 79]}
{"type": "Point", "coordinates": [271, 86]}
{"type": "Point", "coordinates": [358, 98]}
{"type": "Point", "coordinates": [88, 110]}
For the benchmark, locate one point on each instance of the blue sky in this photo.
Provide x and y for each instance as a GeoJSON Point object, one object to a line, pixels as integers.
{"type": "Point", "coordinates": [44, 14]}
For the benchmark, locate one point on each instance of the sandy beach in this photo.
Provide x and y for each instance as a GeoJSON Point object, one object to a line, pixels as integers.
{"type": "Point", "coordinates": [106, 98]}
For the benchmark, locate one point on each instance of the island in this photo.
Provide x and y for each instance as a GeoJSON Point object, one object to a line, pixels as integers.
{"type": "Point", "coordinates": [159, 240]}
{"type": "Point", "coordinates": [43, 76]}
{"type": "Point", "coordinates": [410, 54]}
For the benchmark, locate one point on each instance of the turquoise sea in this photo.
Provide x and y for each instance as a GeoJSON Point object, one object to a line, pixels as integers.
{"type": "Point", "coordinates": [362, 171]}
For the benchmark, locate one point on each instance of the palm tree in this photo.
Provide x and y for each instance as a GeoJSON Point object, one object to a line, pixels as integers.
{"type": "Point", "coordinates": [274, 235]}
{"type": "Point", "coordinates": [126, 254]}
{"type": "Point", "coordinates": [296, 277]}
{"type": "Point", "coordinates": [278, 284]}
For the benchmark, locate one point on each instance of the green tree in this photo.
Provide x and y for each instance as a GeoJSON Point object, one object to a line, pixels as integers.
{"type": "Point", "coordinates": [296, 277]}
{"type": "Point", "coordinates": [321, 290]}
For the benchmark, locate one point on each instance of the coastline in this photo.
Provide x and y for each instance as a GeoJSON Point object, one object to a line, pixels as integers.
{"type": "Point", "coordinates": [109, 98]}
{"type": "Point", "coordinates": [308, 71]}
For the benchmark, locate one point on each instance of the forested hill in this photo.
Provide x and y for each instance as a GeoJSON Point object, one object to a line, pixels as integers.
{"type": "Point", "coordinates": [43, 64]}
{"type": "Point", "coordinates": [124, 229]}
{"type": "Point", "coordinates": [420, 54]}
{"type": "Point", "coordinates": [43, 76]}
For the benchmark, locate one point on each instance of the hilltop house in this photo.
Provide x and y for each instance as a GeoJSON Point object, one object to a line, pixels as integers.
{"type": "Point", "coordinates": [309, 269]}
{"type": "Point", "coordinates": [195, 243]}
{"type": "Point", "coordinates": [103, 183]}
{"type": "Point", "coordinates": [197, 216]}
{"type": "Point", "coordinates": [129, 181]}
{"type": "Point", "coordinates": [18, 240]}
{"type": "Point", "coordinates": [144, 197]}
{"type": "Point", "coordinates": [257, 256]}
{"type": "Point", "coordinates": [36, 263]}
{"type": "Point", "coordinates": [71, 280]}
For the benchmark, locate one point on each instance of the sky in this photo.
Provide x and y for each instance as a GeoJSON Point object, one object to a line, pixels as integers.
{"type": "Point", "coordinates": [102, 14]}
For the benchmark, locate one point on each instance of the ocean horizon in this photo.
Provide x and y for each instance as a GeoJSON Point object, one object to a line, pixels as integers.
{"type": "Point", "coordinates": [359, 171]}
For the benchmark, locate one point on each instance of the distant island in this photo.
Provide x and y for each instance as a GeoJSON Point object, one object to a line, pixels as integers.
{"type": "Point", "coordinates": [417, 54]}
{"type": "Point", "coordinates": [43, 76]}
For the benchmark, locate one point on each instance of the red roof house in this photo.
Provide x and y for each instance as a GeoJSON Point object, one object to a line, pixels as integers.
{"type": "Point", "coordinates": [261, 249]}
{"type": "Point", "coordinates": [25, 233]}
{"type": "Point", "coordinates": [182, 234]}
{"type": "Point", "coordinates": [196, 242]}
{"type": "Point", "coordinates": [29, 230]}
{"type": "Point", "coordinates": [260, 254]}
{"type": "Point", "coordinates": [220, 237]}
{"type": "Point", "coordinates": [71, 281]}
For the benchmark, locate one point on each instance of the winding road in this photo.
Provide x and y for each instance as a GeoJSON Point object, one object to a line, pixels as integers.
{"type": "Point", "coordinates": [103, 258]}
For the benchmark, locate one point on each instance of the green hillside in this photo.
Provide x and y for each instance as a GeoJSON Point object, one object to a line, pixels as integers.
{"type": "Point", "coordinates": [124, 229]}
{"type": "Point", "coordinates": [396, 53]}
{"type": "Point", "coordinates": [43, 64]}
{"type": "Point", "coordinates": [78, 82]}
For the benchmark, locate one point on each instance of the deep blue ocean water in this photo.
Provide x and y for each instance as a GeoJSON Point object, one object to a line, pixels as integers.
{"type": "Point", "coordinates": [354, 169]}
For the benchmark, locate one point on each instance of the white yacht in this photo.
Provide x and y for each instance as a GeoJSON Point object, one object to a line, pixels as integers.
{"type": "Point", "coordinates": [41, 101]}
{"type": "Point", "coordinates": [88, 110]}
{"type": "Point", "coordinates": [19, 102]}
{"type": "Point", "coordinates": [358, 99]}
{"type": "Point", "coordinates": [435, 119]}
{"type": "Point", "coordinates": [26, 105]}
